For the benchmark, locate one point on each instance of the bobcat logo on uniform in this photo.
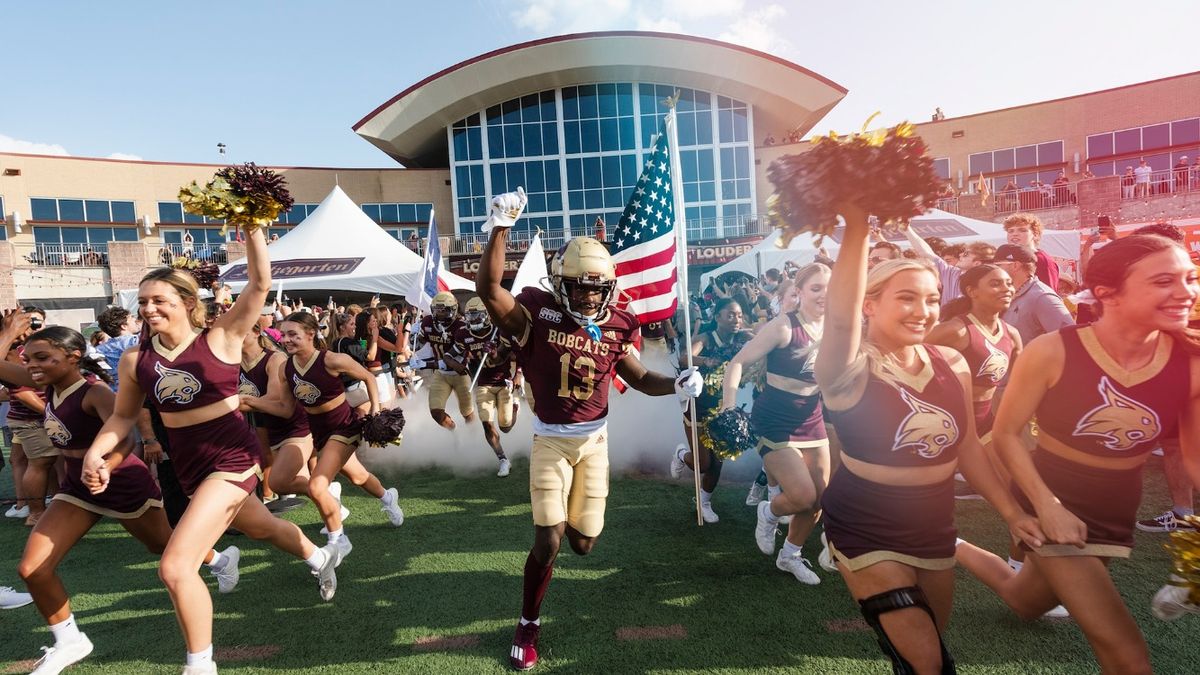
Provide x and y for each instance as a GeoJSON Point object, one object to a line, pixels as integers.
{"type": "Point", "coordinates": [995, 366]}
{"type": "Point", "coordinates": [928, 429]}
{"type": "Point", "coordinates": [175, 385]}
{"type": "Point", "coordinates": [304, 390]}
{"type": "Point", "coordinates": [1120, 420]}
{"type": "Point", "coordinates": [551, 315]}
{"type": "Point", "coordinates": [246, 387]}
{"type": "Point", "coordinates": [55, 429]}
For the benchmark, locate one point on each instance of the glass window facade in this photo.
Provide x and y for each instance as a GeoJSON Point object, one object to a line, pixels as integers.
{"type": "Point", "coordinates": [578, 152]}
{"type": "Point", "coordinates": [172, 212]}
{"type": "Point", "coordinates": [96, 238]}
{"type": "Point", "coordinates": [399, 212]}
{"type": "Point", "coordinates": [1161, 145]}
{"type": "Point", "coordinates": [81, 210]}
{"type": "Point", "coordinates": [3, 216]}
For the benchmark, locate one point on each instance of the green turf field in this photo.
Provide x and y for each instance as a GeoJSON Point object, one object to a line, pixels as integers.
{"type": "Point", "coordinates": [441, 594]}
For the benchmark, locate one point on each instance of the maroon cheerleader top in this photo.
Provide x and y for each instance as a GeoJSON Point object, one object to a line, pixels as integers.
{"type": "Point", "coordinates": [187, 377]}
{"type": "Point", "coordinates": [907, 420]}
{"type": "Point", "coordinates": [1099, 408]}
{"type": "Point", "coordinates": [788, 412]}
{"type": "Point", "coordinates": [311, 383]}
{"type": "Point", "coordinates": [988, 353]}
{"type": "Point", "coordinates": [67, 424]}
{"type": "Point", "coordinates": [255, 381]}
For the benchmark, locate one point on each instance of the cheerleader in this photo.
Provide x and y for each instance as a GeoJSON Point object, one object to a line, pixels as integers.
{"type": "Point", "coordinates": [76, 407]}
{"type": "Point", "coordinates": [190, 374]}
{"type": "Point", "coordinates": [1105, 395]}
{"type": "Point", "coordinates": [710, 351]}
{"type": "Point", "coordinates": [310, 377]}
{"type": "Point", "coordinates": [788, 419]}
{"type": "Point", "coordinates": [902, 413]}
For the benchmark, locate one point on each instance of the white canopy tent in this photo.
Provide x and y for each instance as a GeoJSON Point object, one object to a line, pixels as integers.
{"type": "Point", "coordinates": [955, 229]}
{"type": "Point", "coordinates": [338, 247]}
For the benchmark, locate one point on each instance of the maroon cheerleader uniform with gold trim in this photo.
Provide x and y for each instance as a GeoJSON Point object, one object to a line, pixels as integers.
{"type": "Point", "coordinates": [280, 430]}
{"type": "Point", "coordinates": [1103, 410]}
{"type": "Point", "coordinates": [313, 386]}
{"type": "Point", "coordinates": [905, 421]}
{"type": "Point", "coordinates": [788, 413]}
{"type": "Point", "coordinates": [131, 489]}
{"type": "Point", "coordinates": [190, 377]}
{"type": "Point", "coordinates": [989, 357]}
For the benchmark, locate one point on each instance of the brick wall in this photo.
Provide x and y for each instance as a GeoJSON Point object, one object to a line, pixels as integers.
{"type": "Point", "coordinates": [8, 294]}
{"type": "Point", "coordinates": [128, 262]}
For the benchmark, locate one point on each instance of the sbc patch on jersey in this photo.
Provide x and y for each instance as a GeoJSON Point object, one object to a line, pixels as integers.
{"type": "Point", "coordinates": [551, 315]}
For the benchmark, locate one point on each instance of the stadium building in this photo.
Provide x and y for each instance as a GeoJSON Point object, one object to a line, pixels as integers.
{"type": "Point", "coordinates": [569, 118]}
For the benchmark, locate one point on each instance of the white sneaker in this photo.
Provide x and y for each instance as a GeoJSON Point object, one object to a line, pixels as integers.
{"type": "Point", "coordinates": [677, 465]}
{"type": "Point", "coordinates": [757, 494]}
{"type": "Point", "coordinates": [799, 567]}
{"type": "Point", "coordinates": [707, 513]}
{"type": "Point", "coordinates": [343, 546]}
{"type": "Point", "coordinates": [57, 658]}
{"type": "Point", "coordinates": [11, 599]}
{"type": "Point", "coordinates": [1171, 602]}
{"type": "Point", "coordinates": [1059, 612]}
{"type": "Point", "coordinates": [764, 531]}
{"type": "Point", "coordinates": [327, 575]}
{"type": "Point", "coordinates": [825, 558]}
{"type": "Point", "coordinates": [14, 512]}
{"type": "Point", "coordinates": [209, 668]}
{"type": "Point", "coordinates": [391, 507]}
{"type": "Point", "coordinates": [228, 575]}
{"type": "Point", "coordinates": [505, 468]}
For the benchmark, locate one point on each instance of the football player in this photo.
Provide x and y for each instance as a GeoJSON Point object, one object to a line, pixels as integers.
{"type": "Point", "coordinates": [569, 342]}
{"type": "Point", "coordinates": [479, 348]}
{"type": "Point", "coordinates": [437, 331]}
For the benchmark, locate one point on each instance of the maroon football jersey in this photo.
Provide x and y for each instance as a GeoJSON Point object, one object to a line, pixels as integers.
{"type": "Point", "coordinates": [470, 348]}
{"type": "Point", "coordinates": [1101, 409]}
{"type": "Point", "coordinates": [311, 383]}
{"type": "Point", "coordinates": [655, 330]}
{"type": "Point", "coordinates": [567, 370]}
{"type": "Point", "coordinates": [68, 425]}
{"type": "Point", "coordinates": [988, 354]}
{"type": "Point", "coordinates": [906, 420]}
{"type": "Point", "coordinates": [185, 378]}
{"type": "Point", "coordinates": [439, 336]}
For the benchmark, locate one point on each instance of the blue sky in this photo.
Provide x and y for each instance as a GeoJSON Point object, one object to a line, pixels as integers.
{"type": "Point", "coordinates": [282, 82]}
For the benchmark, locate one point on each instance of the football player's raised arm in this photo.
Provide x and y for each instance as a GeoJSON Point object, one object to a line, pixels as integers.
{"type": "Point", "coordinates": [501, 304]}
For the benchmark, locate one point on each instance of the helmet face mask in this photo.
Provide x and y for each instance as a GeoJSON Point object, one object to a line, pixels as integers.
{"type": "Point", "coordinates": [443, 307]}
{"type": "Point", "coordinates": [476, 315]}
{"type": "Point", "coordinates": [579, 272]}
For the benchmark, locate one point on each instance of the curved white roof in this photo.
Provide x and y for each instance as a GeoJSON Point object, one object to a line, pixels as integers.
{"type": "Point", "coordinates": [412, 125]}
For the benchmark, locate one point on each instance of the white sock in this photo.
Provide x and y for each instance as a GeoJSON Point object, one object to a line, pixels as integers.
{"type": "Point", "coordinates": [705, 497]}
{"type": "Point", "coordinates": [66, 632]}
{"type": "Point", "coordinates": [790, 549]}
{"type": "Point", "coordinates": [317, 560]}
{"type": "Point", "coordinates": [526, 622]}
{"type": "Point", "coordinates": [771, 517]}
{"type": "Point", "coordinates": [1016, 564]}
{"type": "Point", "coordinates": [334, 535]}
{"type": "Point", "coordinates": [217, 562]}
{"type": "Point", "coordinates": [774, 491]}
{"type": "Point", "coordinates": [200, 658]}
{"type": "Point", "coordinates": [958, 541]}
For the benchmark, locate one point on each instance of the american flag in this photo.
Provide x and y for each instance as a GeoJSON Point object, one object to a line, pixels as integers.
{"type": "Point", "coordinates": [643, 243]}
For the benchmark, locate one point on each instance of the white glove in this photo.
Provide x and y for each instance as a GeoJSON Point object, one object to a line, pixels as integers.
{"type": "Point", "coordinates": [508, 384]}
{"type": "Point", "coordinates": [689, 384]}
{"type": "Point", "coordinates": [506, 208]}
{"type": "Point", "coordinates": [441, 365]}
{"type": "Point", "coordinates": [416, 364]}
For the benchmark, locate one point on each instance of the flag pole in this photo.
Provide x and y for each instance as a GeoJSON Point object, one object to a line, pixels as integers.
{"type": "Point", "coordinates": [681, 264]}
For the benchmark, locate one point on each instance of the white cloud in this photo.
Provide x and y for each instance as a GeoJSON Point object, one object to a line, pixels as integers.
{"type": "Point", "coordinates": [125, 155]}
{"type": "Point", "coordinates": [570, 16]}
{"type": "Point", "coordinates": [10, 144]}
{"type": "Point", "coordinates": [759, 29]}
{"type": "Point", "coordinates": [702, 9]}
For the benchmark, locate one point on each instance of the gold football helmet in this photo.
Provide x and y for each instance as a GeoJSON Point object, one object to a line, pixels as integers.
{"type": "Point", "coordinates": [444, 306]}
{"type": "Point", "coordinates": [476, 314]}
{"type": "Point", "coordinates": [583, 263]}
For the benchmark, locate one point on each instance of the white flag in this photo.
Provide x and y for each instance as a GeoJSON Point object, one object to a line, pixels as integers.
{"type": "Point", "coordinates": [533, 267]}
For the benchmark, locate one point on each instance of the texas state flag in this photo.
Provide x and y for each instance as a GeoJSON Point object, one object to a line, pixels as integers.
{"type": "Point", "coordinates": [429, 282]}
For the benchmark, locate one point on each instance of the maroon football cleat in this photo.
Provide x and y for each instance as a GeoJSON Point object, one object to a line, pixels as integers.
{"type": "Point", "coordinates": [524, 653]}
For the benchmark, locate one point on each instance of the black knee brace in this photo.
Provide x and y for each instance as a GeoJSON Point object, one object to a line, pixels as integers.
{"type": "Point", "coordinates": [890, 601]}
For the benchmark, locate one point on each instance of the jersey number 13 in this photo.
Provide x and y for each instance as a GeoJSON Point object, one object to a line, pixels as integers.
{"type": "Point", "coordinates": [584, 370]}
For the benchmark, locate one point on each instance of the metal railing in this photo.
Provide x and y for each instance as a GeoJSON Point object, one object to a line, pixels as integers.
{"type": "Point", "coordinates": [1165, 182]}
{"type": "Point", "coordinates": [949, 204]}
{"type": "Point", "coordinates": [1033, 198]}
{"type": "Point", "coordinates": [67, 255]}
{"type": "Point", "coordinates": [210, 253]}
